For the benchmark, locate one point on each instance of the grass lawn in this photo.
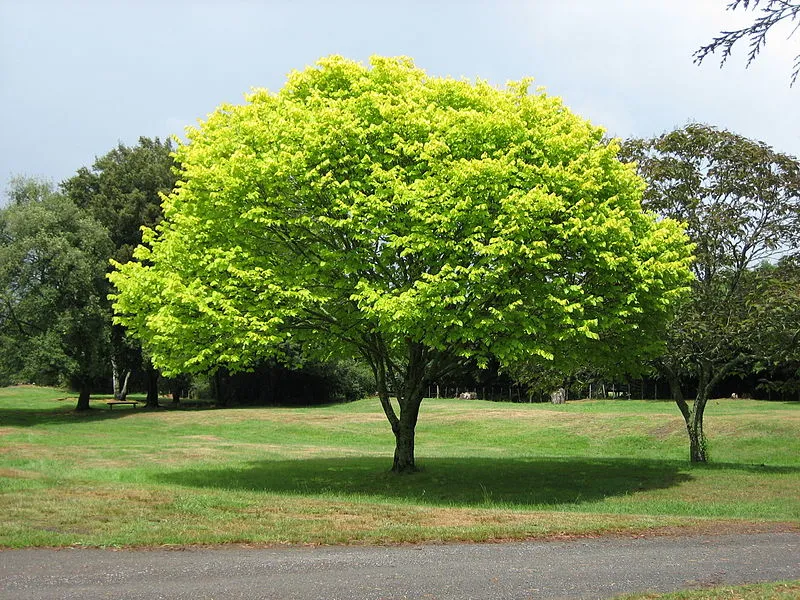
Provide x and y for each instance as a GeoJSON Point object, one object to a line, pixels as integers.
{"type": "Point", "coordinates": [786, 590]}
{"type": "Point", "coordinates": [132, 477]}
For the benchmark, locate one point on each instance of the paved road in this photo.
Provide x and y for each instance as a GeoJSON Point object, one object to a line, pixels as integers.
{"type": "Point", "coordinates": [588, 568]}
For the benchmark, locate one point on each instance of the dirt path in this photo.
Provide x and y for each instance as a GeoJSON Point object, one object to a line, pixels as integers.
{"type": "Point", "coordinates": [586, 568]}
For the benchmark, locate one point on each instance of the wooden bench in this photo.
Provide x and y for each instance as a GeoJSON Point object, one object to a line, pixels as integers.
{"type": "Point", "coordinates": [111, 403]}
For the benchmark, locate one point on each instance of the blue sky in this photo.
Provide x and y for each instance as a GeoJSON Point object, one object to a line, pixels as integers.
{"type": "Point", "coordinates": [77, 77]}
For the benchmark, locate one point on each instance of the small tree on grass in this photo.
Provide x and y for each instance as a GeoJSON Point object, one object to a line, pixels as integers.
{"type": "Point", "coordinates": [410, 220]}
{"type": "Point", "coordinates": [740, 201]}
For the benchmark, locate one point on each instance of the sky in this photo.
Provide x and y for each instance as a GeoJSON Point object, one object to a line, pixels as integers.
{"type": "Point", "coordinates": [79, 77]}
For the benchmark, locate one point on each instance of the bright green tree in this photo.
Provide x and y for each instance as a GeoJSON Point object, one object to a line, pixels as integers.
{"type": "Point", "coordinates": [54, 318]}
{"type": "Point", "coordinates": [410, 220]}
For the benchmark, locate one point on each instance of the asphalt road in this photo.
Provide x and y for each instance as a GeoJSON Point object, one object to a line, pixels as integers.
{"type": "Point", "coordinates": [584, 568]}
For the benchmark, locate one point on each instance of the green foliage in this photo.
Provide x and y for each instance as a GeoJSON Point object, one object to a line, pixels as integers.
{"type": "Point", "coordinates": [23, 190]}
{"type": "Point", "coordinates": [304, 383]}
{"type": "Point", "coordinates": [54, 319]}
{"type": "Point", "coordinates": [740, 201]}
{"type": "Point", "coordinates": [408, 219]}
{"type": "Point", "coordinates": [360, 202]}
{"type": "Point", "coordinates": [123, 188]}
{"type": "Point", "coordinates": [349, 380]}
{"type": "Point", "coordinates": [775, 305]}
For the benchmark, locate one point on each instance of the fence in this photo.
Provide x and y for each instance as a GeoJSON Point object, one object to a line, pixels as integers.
{"type": "Point", "coordinates": [638, 389]}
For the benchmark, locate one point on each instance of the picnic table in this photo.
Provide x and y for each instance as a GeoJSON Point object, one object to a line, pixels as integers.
{"type": "Point", "coordinates": [112, 403]}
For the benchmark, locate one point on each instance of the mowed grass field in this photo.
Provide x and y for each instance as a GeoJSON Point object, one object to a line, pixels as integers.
{"type": "Point", "coordinates": [133, 477]}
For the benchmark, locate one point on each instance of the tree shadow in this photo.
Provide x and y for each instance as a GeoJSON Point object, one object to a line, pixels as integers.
{"type": "Point", "coordinates": [58, 416]}
{"type": "Point", "coordinates": [65, 413]}
{"type": "Point", "coordinates": [459, 481]}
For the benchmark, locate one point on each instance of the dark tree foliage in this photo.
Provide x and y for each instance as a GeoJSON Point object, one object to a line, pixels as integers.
{"type": "Point", "coordinates": [122, 190]}
{"type": "Point", "coordinates": [776, 304]}
{"type": "Point", "coordinates": [740, 202]}
{"type": "Point", "coordinates": [54, 316]}
{"type": "Point", "coordinates": [771, 13]}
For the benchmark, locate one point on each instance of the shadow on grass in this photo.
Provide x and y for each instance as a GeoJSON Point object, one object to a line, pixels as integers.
{"type": "Point", "coordinates": [446, 481]}
{"type": "Point", "coordinates": [65, 413]}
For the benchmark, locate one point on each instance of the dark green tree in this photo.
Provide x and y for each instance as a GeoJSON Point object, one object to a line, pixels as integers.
{"type": "Point", "coordinates": [740, 201]}
{"type": "Point", "coordinates": [122, 190]}
{"type": "Point", "coordinates": [775, 300]}
{"type": "Point", "coordinates": [54, 318]}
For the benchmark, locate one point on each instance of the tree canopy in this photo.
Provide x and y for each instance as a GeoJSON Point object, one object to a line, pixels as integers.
{"type": "Point", "coordinates": [740, 201]}
{"type": "Point", "coordinates": [54, 316]}
{"type": "Point", "coordinates": [412, 220]}
{"type": "Point", "coordinates": [123, 188]}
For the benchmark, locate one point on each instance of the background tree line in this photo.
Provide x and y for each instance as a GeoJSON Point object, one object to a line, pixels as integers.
{"type": "Point", "coordinates": [738, 199]}
{"type": "Point", "coordinates": [56, 328]}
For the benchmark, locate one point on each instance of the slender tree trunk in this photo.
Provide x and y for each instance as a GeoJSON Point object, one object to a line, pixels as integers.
{"type": "Point", "coordinates": [152, 387]}
{"type": "Point", "coordinates": [409, 388]}
{"type": "Point", "coordinates": [692, 417]}
{"type": "Point", "coordinates": [123, 393]}
{"type": "Point", "coordinates": [83, 397]}
{"type": "Point", "coordinates": [115, 377]}
{"type": "Point", "coordinates": [176, 394]}
{"type": "Point", "coordinates": [697, 439]}
{"type": "Point", "coordinates": [404, 449]}
{"type": "Point", "coordinates": [412, 393]}
{"type": "Point", "coordinates": [218, 388]}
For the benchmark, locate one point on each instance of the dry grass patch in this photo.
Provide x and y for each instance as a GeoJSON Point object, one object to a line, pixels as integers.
{"type": "Point", "coordinates": [19, 474]}
{"type": "Point", "coordinates": [320, 475]}
{"type": "Point", "coordinates": [667, 430]}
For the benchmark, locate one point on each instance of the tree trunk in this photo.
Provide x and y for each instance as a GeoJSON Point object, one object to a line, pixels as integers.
{"type": "Point", "coordinates": [697, 442]}
{"type": "Point", "coordinates": [697, 438]}
{"type": "Point", "coordinates": [404, 449]}
{"type": "Point", "coordinates": [405, 432]}
{"type": "Point", "coordinates": [218, 389]}
{"type": "Point", "coordinates": [123, 393]}
{"type": "Point", "coordinates": [83, 397]}
{"type": "Point", "coordinates": [115, 377]}
{"type": "Point", "coordinates": [693, 417]}
{"type": "Point", "coordinates": [152, 387]}
{"type": "Point", "coordinates": [409, 388]}
{"type": "Point", "coordinates": [176, 395]}
{"type": "Point", "coordinates": [404, 435]}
